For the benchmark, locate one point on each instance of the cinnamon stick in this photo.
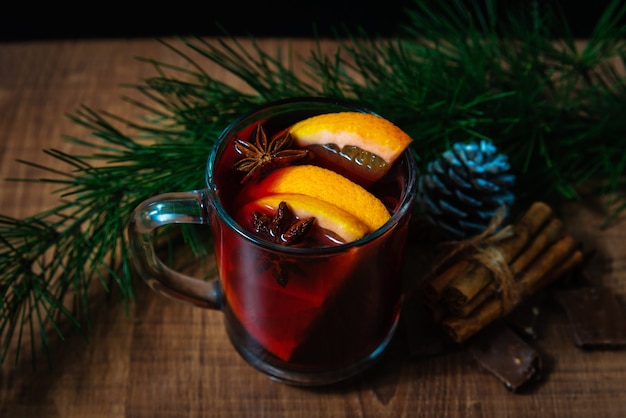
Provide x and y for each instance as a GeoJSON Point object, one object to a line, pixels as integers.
{"type": "Point", "coordinates": [574, 260]}
{"type": "Point", "coordinates": [468, 307]}
{"type": "Point", "coordinates": [525, 229]}
{"type": "Point", "coordinates": [552, 264]}
{"type": "Point", "coordinates": [540, 268]}
{"type": "Point", "coordinates": [460, 329]}
{"type": "Point", "coordinates": [548, 235]}
{"type": "Point", "coordinates": [465, 287]}
{"type": "Point", "coordinates": [436, 287]}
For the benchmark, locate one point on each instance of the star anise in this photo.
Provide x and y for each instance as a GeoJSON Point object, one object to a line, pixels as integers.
{"type": "Point", "coordinates": [282, 267]}
{"type": "Point", "coordinates": [260, 154]}
{"type": "Point", "coordinates": [282, 228]}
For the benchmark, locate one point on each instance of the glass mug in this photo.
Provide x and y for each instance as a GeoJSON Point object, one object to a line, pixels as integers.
{"type": "Point", "coordinates": [339, 308]}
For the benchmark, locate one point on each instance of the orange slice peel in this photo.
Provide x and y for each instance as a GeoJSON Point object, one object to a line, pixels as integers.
{"type": "Point", "coordinates": [366, 131]}
{"type": "Point", "coordinates": [324, 185]}
{"type": "Point", "coordinates": [342, 224]}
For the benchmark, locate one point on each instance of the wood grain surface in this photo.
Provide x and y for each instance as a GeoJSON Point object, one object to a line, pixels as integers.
{"type": "Point", "coordinates": [162, 358]}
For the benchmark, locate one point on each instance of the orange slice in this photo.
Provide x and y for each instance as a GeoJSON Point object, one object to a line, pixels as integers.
{"type": "Point", "coordinates": [328, 216]}
{"type": "Point", "coordinates": [361, 141]}
{"type": "Point", "coordinates": [325, 185]}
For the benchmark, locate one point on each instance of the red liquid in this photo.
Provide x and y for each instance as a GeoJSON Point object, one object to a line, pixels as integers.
{"type": "Point", "coordinates": [334, 309]}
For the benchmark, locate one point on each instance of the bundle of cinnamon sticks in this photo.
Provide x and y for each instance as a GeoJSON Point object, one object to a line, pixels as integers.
{"type": "Point", "coordinates": [489, 281]}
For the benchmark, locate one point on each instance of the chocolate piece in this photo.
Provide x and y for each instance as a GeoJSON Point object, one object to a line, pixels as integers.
{"type": "Point", "coordinates": [525, 317]}
{"type": "Point", "coordinates": [596, 319]}
{"type": "Point", "coordinates": [505, 355]}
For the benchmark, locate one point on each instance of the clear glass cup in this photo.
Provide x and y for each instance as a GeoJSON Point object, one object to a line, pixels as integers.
{"type": "Point", "coordinates": [340, 305]}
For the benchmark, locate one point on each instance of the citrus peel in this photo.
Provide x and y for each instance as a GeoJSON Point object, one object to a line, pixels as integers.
{"type": "Point", "coordinates": [367, 131]}
{"type": "Point", "coordinates": [325, 185]}
{"type": "Point", "coordinates": [344, 225]}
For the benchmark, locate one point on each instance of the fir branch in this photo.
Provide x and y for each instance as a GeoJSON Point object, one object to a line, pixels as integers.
{"type": "Point", "coordinates": [454, 74]}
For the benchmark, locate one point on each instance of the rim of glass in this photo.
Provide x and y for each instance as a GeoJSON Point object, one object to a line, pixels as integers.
{"type": "Point", "coordinates": [404, 205]}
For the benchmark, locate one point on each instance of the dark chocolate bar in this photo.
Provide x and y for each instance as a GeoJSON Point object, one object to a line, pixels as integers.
{"type": "Point", "coordinates": [596, 319]}
{"type": "Point", "coordinates": [525, 318]}
{"type": "Point", "coordinates": [508, 357]}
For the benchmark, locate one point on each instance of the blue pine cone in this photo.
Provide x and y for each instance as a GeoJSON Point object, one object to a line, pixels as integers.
{"type": "Point", "coordinates": [461, 191]}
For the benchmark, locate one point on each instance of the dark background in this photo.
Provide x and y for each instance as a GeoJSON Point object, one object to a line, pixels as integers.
{"type": "Point", "coordinates": [56, 20]}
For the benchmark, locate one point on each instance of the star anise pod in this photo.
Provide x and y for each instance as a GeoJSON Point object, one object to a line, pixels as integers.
{"type": "Point", "coordinates": [260, 154]}
{"type": "Point", "coordinates": [282, 228]}
{"type": "Point", "coordinates": [282, 267]}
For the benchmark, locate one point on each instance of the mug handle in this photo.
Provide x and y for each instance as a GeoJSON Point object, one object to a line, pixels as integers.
{"type": "Point", "coordinates": [190, 207]}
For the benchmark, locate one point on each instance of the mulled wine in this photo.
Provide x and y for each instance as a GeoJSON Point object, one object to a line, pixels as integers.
{"type": "Point", "coordinates": [317, 302]}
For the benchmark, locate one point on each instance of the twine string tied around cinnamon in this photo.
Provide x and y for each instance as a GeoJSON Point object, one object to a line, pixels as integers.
{"type": "Point", "coordinates": [484, 248]}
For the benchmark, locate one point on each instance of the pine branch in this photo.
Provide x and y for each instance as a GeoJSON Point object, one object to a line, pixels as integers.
{"type": "Point", "coordinates": [454, 74]}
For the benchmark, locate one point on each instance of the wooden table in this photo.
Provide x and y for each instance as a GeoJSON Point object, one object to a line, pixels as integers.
{"type": "Point", "coordinates": [165, 358]}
